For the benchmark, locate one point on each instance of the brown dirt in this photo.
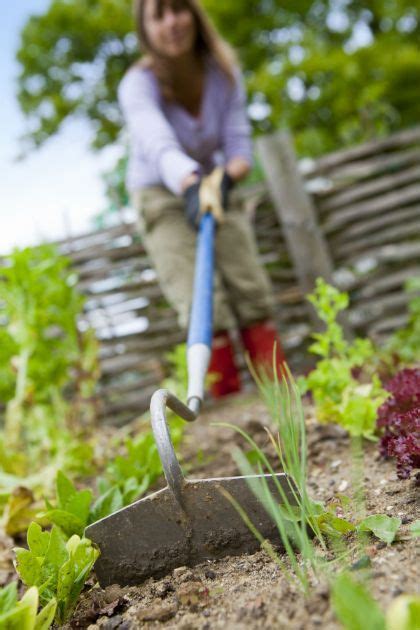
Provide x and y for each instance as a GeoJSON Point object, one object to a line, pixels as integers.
{"type": "Point", "coordinates": [250, 591]}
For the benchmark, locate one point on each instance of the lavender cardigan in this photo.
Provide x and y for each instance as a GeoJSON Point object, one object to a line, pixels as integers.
{"type": "Point", "coordinates": [167, 143]}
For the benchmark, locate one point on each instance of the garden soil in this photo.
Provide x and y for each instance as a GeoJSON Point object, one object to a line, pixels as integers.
{"type": "Point", "coordinates": [251, 591]}
{"type": "Point", "coordinates": [248, 592]}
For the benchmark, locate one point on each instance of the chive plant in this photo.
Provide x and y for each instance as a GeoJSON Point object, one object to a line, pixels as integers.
{"type": "Point", "coordinates": [308, 531]}
{"type": "Point", "coordinates": [297, 521]}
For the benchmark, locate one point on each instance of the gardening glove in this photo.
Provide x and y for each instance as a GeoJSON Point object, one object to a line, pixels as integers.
{"type": "Point", "coordinates": [210, 194]}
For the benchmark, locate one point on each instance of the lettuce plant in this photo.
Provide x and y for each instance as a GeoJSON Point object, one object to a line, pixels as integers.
{"type": "Point", "coordinates": [48, 368]}
{"type": "Point", "coordinates": [56, 566]}
{"type": "Point", "coordinates": [338, 395]}
{"type": "Point", "coordinates": [71, 513]}
{"type": "Point", "coordinates": [134, 471]}
{"type": "Point", "coordinates": [399, 421]}
{"type": "Point", "coordinates": [23, 614]}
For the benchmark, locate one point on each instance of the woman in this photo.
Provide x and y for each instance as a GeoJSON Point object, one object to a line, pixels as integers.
{"type": "Point", "coordinates": [184, 107]}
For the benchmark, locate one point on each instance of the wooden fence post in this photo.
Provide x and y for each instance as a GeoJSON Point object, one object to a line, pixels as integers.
{"type": "Point", "coordinates": [296, 213]}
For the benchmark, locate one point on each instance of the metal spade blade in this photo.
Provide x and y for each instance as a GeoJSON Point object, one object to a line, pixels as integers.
{"type": "Point", "coordinates": [188, 522]}
{"type": "Point", "coordinates": [154, 535]}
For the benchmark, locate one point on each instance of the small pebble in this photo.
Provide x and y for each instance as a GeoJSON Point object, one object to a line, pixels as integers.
{"type": "Point", "coordinates": [188, 576]}
{"type": "Point", "coordinates": [157, 612]}
{"type": "Point", "coordinates": [179, 571]}
{"type": "Point", "coordinates": [164, 589]}
{"type": "Point", "coordinates": [111, 624]}
{"type": "Point", "coordinates": [113, 592]}
{"type": "Point", "coordinates": [343, 486]}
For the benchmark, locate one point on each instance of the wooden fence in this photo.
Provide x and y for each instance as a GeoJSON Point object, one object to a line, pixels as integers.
{"type": "Point", "coordinates": [352, 216]}
{"type": "Point", "coordinates": [357, 212]}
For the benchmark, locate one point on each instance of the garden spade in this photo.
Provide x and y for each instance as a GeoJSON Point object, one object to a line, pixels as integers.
{"type": "Point", "coordinates": [189, 521]}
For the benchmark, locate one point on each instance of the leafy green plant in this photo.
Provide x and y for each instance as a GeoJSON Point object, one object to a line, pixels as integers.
{"type": "Point", "coordinates": [23, 614]}
{"type": "Point", "coordinates": [415, 529]}
{"type": "Point", "coordinates": [139, 467]}
{"type": "Point", "coordinates": [356, 609]}
{"type": "Point", "coordinates": [403, 613]}
{"type": "Point", "coordinates": [382, 526]}
{"type": "Point", "coordinates": [107, 503]}
{"type": "Point", "coordinates": [353, 605]}
{"type": "Point", "coordinates": [73, 507]}
{"type": "Point", "coordinates": [405, 343]}
{"type": "Point", "coordinates": [48, 368]}
{"type": "Point", "coordinates": [338, 395]}
{"type": "Point", "coordinates": [56, 566]}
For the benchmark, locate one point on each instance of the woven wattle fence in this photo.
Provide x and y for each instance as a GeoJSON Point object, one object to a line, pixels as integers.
{"type": "Point", "coordinates": [367, 207]}
{"type": "Point", "coordinates": [352, 216]}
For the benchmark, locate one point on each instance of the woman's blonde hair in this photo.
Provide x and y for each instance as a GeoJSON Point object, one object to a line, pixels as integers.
{"type": "Point", "coordinates": [209, 44]}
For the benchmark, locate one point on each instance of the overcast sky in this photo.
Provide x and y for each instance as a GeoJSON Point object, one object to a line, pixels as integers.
{"type": "Point", "coordinates": [60, 180]}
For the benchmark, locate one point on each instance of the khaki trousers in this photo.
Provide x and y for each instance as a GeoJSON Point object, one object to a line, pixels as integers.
{"type": "Point", "coordinates": [242, 291]}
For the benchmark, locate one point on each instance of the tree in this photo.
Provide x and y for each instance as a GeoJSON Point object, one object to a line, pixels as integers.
{"type": "Point", "coordinates": [335, 72]}
{"type": "Point", "coordinates": [72, 58]}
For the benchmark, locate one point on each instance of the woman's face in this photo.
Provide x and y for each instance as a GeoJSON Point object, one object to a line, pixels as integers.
{"type": "Point", "coordinates": [170, 27]}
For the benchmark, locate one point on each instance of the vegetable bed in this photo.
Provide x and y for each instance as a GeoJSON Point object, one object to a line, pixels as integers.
{"type": "Point", "coordinates": [251, 591]}
{"type": "Point", "coordinates": [349, 553]}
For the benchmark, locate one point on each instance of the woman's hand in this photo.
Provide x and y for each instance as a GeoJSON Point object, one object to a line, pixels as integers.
{"type": "Point", "coordinates": [209, 194]}
{"type": "Point", "coordinates": [238, 168]}
{"type": "Point", "coordinates": [189, 180]}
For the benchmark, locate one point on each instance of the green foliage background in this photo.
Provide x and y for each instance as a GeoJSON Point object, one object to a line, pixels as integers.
{"type": "Point", "coordinates": [48, 367]}
{"type": "Point", "coordinates": [299, 58]}
{"type": "Point", "coordinates": [306, 68]}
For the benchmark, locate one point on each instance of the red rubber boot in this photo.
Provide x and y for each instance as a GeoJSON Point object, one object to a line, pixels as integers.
{"type": "Point", "coordinates": [224, 375]}
{"type": "Point", "coordinates": [259, 340]}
